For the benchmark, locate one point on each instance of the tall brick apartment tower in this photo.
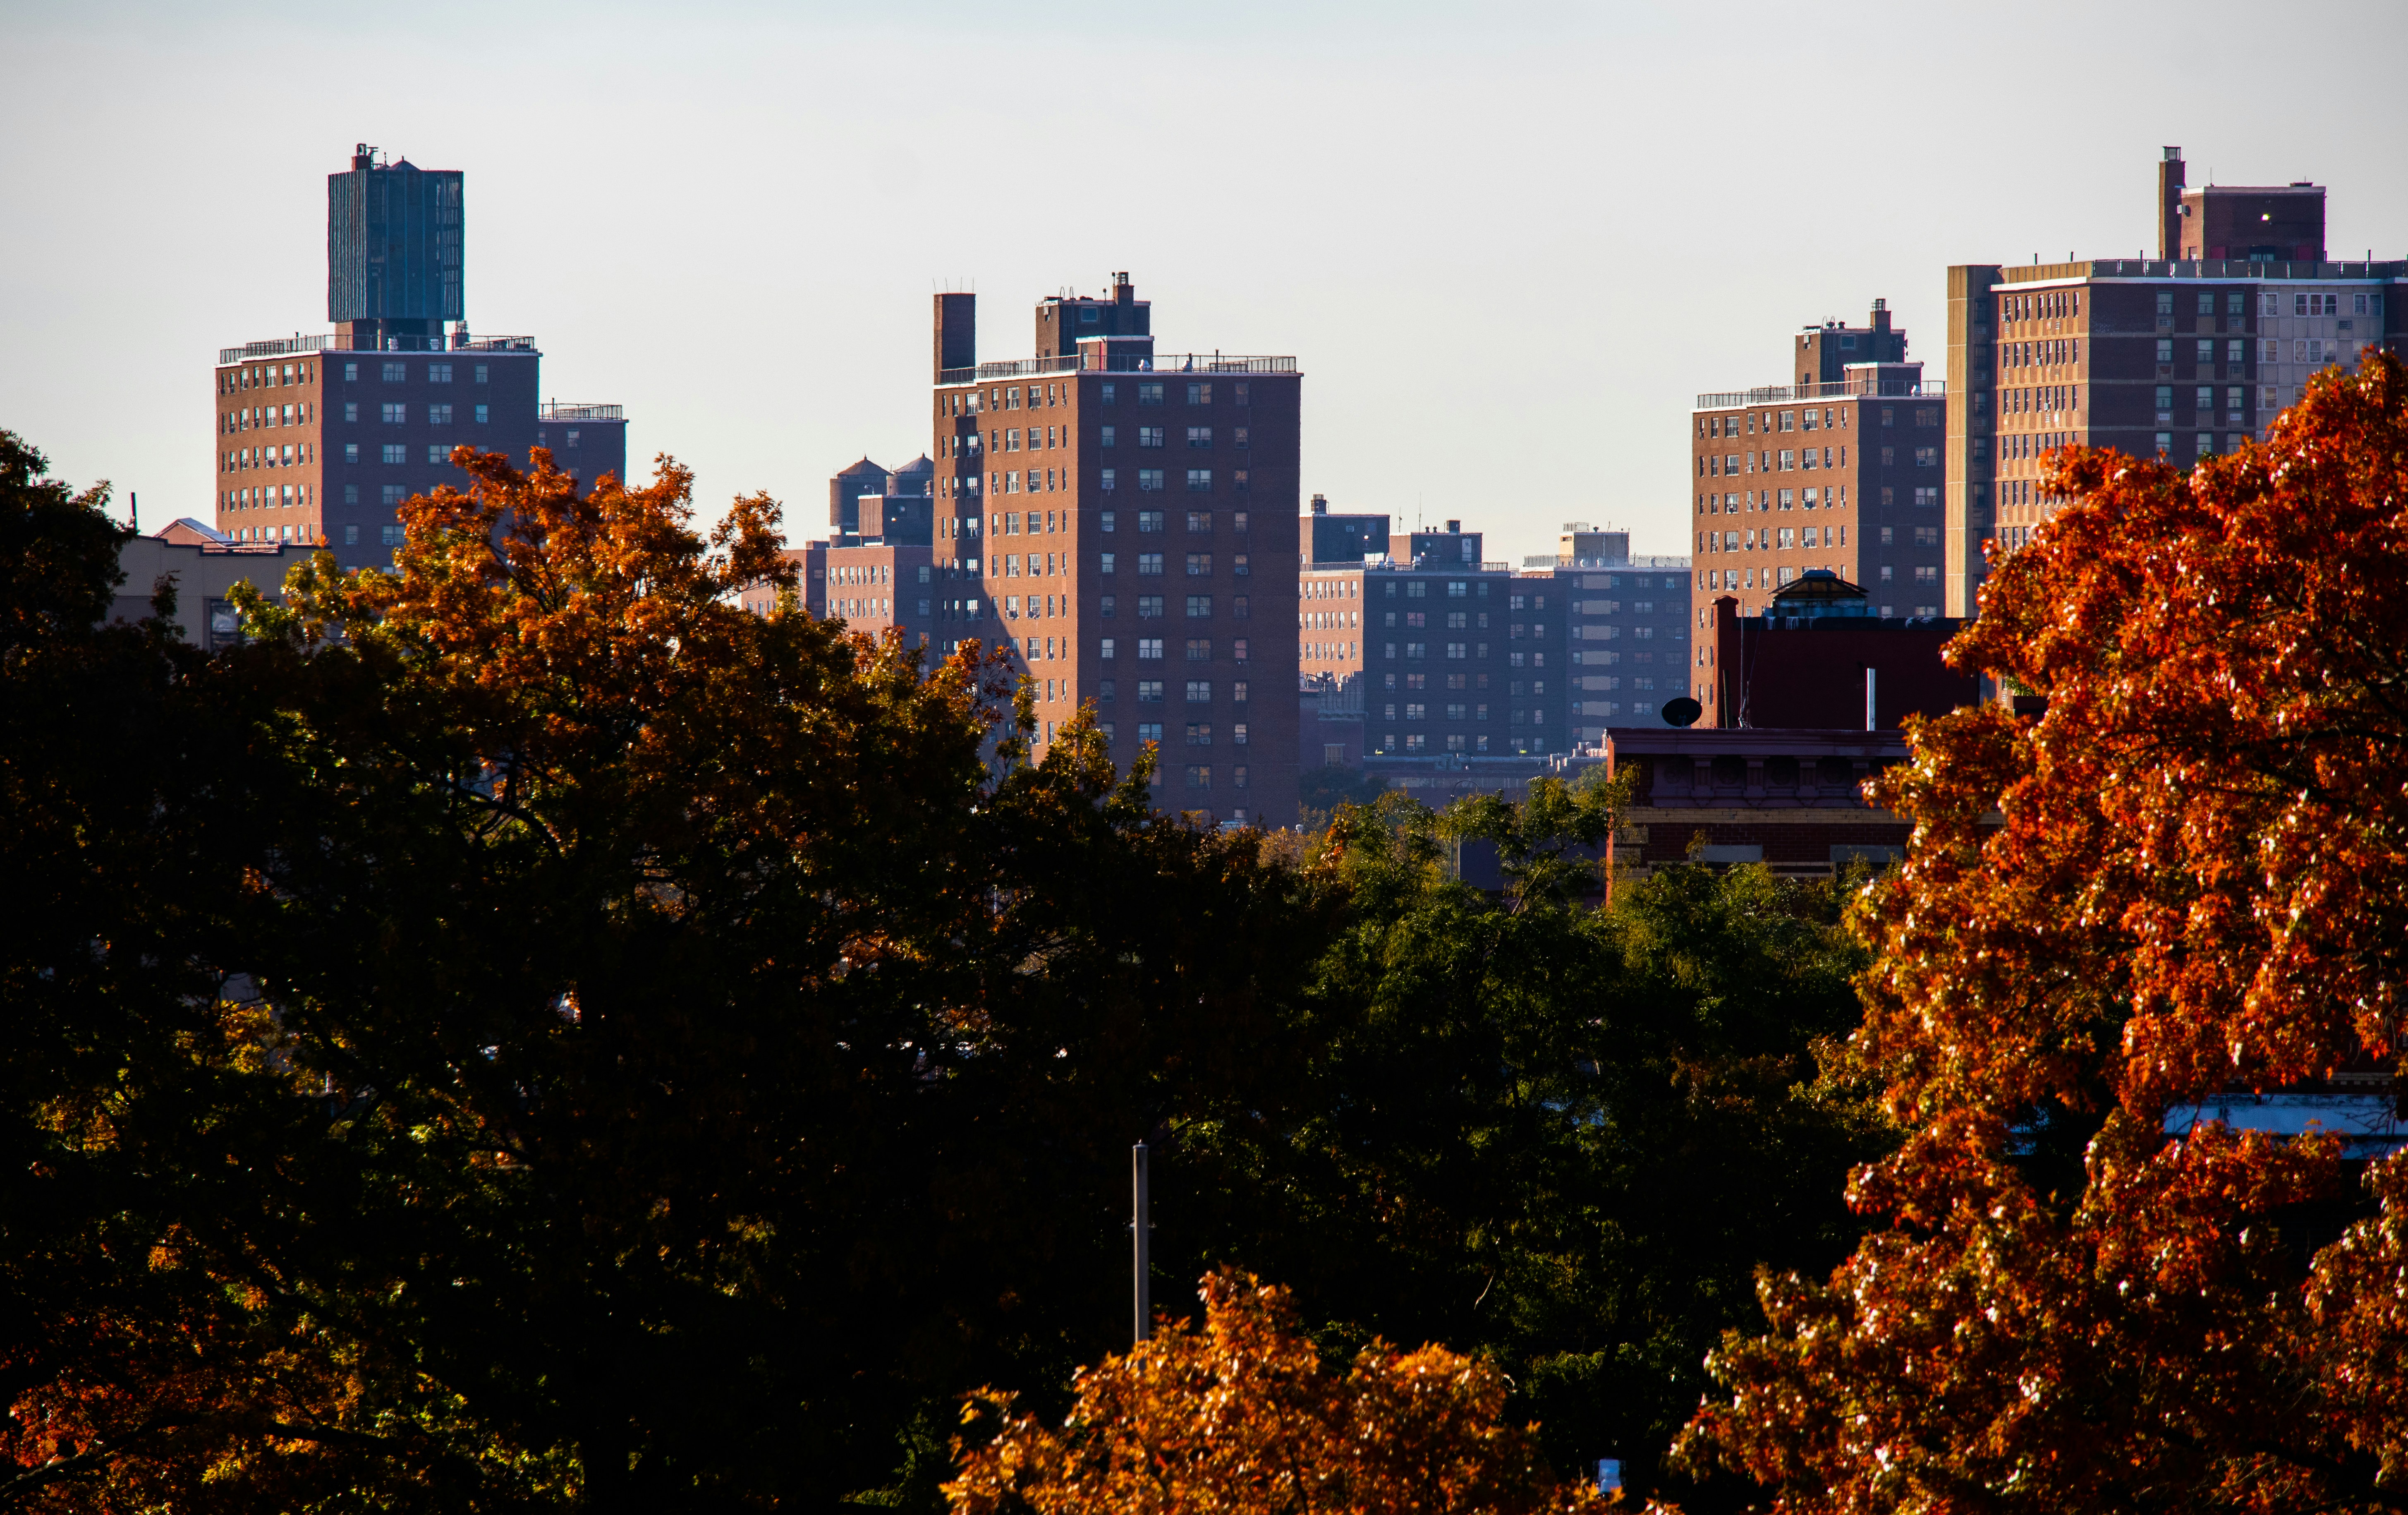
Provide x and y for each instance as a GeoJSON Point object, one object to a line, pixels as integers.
{"type": "Point", "coordinates": [1840, 471]}
{"type": "Point", "coordinates": [320, 437]}
{"type": "Point", "coordinates": [1124, 519]}
{"type": "Point", "coordinates": [2179, 356]}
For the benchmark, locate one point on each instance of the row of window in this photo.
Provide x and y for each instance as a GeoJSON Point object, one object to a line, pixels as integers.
{"type": "Point", "coordinates": [1149, 649]}
{"type": "Point", "coordinates": [245, 417]}
{"type": "Point", "coordinates": [1148, 392]}
{"type": "Point", "coordinates": [1810, 498]}
{"type": "Point", "coordinates": [1775, 539]}
{"type": "Point", "coordinates": [265, 458]}
{"type": "Point", "coordinates": [1150, 565]}
{"type": "Point", "coordinates": [1152, 480]}
{"type": "Point", "coordinates": [263, 376]}
{"type": "Point", "coordinates": [1716, 465]}
{"type": "Point", "coordinates": [1418, 652]}
{"type": "Point", "coordinates": [1158, 435]}
{"type": "Point", "coordinates": [1828, 417]}
{"type": "Point", "coordinates": [1200, 523]}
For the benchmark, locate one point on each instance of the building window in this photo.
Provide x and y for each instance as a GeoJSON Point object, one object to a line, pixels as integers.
{"type": "Point", "coordinates": [1149, 479]}
{"type": "Point", "coordinates": [1149, 649]}
{"type": "Point", "coordinates": [350, 452]}
{"type": "Point", "coordinates": [1104, 563]}
{"type": "Point", "coordinates": [1200, 775]}
{"type": "Point", "coordinates": [1200, 394]}
{"type": "Point", "coordinates": [484, 414]}
{"type": "Point", "coordinates": [1150, 731]}
{"type": "Point", "coordinates": [1200, 480]}
{"type": "Point", "coordinates": [1199, 733]}
{"type": "Point", "coordinates": [1926, 457]}
{"type": "Point", "coordinates": [1200, 691]}
{"type": "Point", "coordinates": [1149, 564]}
{"type": "Point", "coordinates": [1107, 652]}
{"type": "Point", "coordinates": [478, 376]}
{"type": "Point", "coordinates": [1200, 607]}
{"type": "Point", "coordinates": [1200, 565]}
{"type": "Point", "coordinates": [1199, 649]}
{"type": "Point", "coordinates": [394, 535]}
{"type": "Point", "coordinates": [1199, 435]}
{"type": "Point", "coordinates": [397, 453]}
{"type": "Point", "coordinates": [437, 453]}
{"type": "Point", "coordinates": [1149, 607]}
{"type": "Point", "coordinates": [1109, 436]}
{"type": "Point", "coordinates": [1149, 692]}
{"type": "Point", "coordinates": [395, 372]}
{"type": "Point", "coordinates": [1149, 436]}
{"type": "Point", "coordinates": [438, 373]}
{"type": "Point", "coordinates": [1149, 394]}
{"type": "Point", "coordinates": [395, 494]}
{"type": "Point", "coordinates": [396, 416]}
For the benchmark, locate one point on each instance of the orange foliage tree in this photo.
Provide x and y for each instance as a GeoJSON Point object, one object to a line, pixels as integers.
{"type": "Point", "coordinates": [2187, 879]}
{"type": "Point", "coordinates": [1241, 1416]}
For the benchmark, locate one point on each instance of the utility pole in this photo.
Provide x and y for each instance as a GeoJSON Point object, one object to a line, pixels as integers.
{"type": "Point", "coordinates": [1143, 1257]}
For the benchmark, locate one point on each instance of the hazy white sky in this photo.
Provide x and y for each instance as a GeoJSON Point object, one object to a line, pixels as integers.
{"type": "Point", "coordinates": [1509, 242]}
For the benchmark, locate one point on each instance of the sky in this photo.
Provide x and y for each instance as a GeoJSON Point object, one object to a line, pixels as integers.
{"type": "Point", "coordinates": [1508, 243]}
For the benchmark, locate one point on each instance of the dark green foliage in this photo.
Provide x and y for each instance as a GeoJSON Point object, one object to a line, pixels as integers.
{"type": "Point", "coordinates": [1563, 1136]}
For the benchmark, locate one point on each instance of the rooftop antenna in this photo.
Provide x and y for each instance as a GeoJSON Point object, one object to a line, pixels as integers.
{"type": "Point", "coordinates": [133, 509]}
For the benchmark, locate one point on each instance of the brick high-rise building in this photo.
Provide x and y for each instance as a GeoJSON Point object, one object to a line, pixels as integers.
{"type": "Point", "coordinates": [1840, 471]}
{"type": "Point", "coordinates": [2180, 355]}
{"type": "Point", "coordinates": [1120, 516]}
{"type": "Point", "coordinates": [321, 437]}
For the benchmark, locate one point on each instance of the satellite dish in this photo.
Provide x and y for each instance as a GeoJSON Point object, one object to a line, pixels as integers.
{"type": "Point", "coordinates": [1683, 712]}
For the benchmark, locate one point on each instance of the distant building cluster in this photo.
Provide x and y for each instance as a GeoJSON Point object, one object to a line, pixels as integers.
{"type": "Point", "coordinates": [1118, 517]}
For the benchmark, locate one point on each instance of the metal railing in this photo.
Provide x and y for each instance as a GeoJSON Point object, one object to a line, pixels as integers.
{"type": "Point", "coordinates": [332, 342]}
{"type": "Point", "coordinates": [274, 347]}
{"type": "Point", "coordinates": [1636, 560]}
{"type": "Point", "coordinates": [1843, 389]}
{"type": "Point", "coordinates": [2199, 269]}
{"type": "Point", "coordinates": [558, 411]}
{"type": "Point", "coordinates": [1177, 363]}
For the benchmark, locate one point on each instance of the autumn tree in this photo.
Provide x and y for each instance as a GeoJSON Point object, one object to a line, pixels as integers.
{"type": "Point", "coordinates": [2186, 877]}
{"type": "Point", "coordinates": [538, 1036]}
{"type": "Point", "coordinates": [1242, 1418]}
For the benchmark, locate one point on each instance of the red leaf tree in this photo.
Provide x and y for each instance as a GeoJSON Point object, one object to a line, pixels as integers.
{"type": "Point", "coordinates": [2187, 878]}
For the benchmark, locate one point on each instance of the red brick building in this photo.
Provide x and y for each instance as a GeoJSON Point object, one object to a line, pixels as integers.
{"type": "Point", "coordinates": [1121, 518]}
{"type": "Point", "coordinates": [1840, 471]}
{"type": "Point", "coordinates": [2179, 356]}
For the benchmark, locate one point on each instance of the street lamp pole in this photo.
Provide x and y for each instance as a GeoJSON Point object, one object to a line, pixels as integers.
{"type": "Point", "coordinates": [1143, 1254]}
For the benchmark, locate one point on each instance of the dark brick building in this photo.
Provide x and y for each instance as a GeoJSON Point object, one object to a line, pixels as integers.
{"type": "Point", "coordinates": [1120, 516]}
{"type": "Point", "coordinates": [1818, 660]}
{"type": "Point", "coordinates": [2180, 355]}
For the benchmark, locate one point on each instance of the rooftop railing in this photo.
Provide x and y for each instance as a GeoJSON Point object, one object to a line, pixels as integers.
{"type": "Point", "coordinates": [1636, 560]}
{"type": "Point", "coordinates": [560, 411]}
{"type": "Point", "coordinates": [2200, 269]}
{"type": "Point", "coordinates": [332, 342]}
{"type": "Point", "coordinates": [1178, 363]}
{"type": "Point", "coordinates": [1841, 389]}
{"type": "Point", "coordinates": [274, 347]}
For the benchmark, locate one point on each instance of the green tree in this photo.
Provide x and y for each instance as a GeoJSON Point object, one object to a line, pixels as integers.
{"type": "Point", "coordinates": [1562, 1137]}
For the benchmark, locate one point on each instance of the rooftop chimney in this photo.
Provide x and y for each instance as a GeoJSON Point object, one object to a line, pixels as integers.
{"type": "Point", "coordinates": [1124, 292]}
{"type": "Point", "coordinates": [2170, 194]}
{"type": "Point", "coordinates": [1320, 505]}
{"type": "Point", "coordinates": [1881, 315]}
{"type": "Point", "coordinates": [1454, 527]}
